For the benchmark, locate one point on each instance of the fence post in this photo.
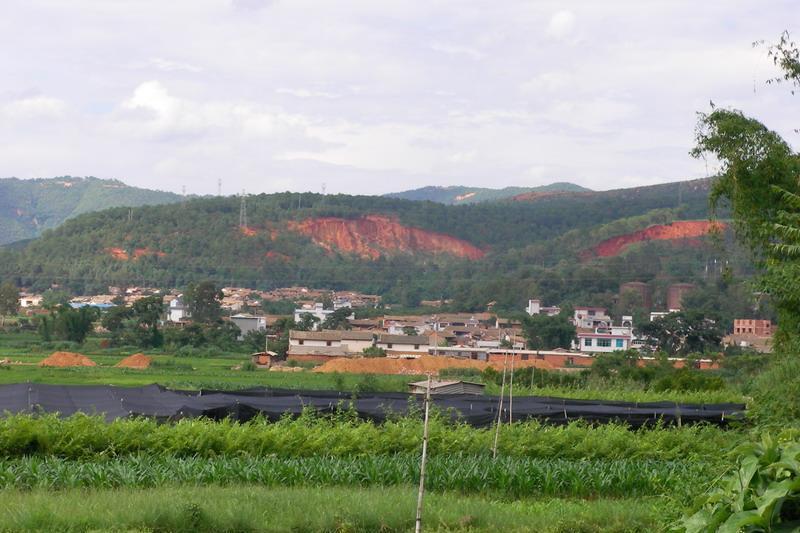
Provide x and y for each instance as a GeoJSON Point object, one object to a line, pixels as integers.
{"type": "Point", "coordinates": [421, 493]}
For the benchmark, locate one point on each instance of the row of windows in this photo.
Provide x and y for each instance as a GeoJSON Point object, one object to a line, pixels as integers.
{"type": "Point", "coordinates": [604, 343]}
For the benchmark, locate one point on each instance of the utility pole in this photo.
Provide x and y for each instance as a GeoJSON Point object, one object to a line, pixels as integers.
{"type": "Point", "coordinates": [500, 408]}
{"type": "Point", "coordinates": [243, 212]}
{"type": "Point", "coordinates": [219, 187]}
{"type": "Point", "coordinates": [421, 493]}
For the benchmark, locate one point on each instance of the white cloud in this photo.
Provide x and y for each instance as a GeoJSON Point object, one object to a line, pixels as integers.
{"type": "Point", "coordinates": [167, 65]}
{"type": "Point", "coordinates": [561, 24]}
{"type": "Point", "coordinates": [306, 93]}
{"type": "Point", "coordinates": [34, 107]}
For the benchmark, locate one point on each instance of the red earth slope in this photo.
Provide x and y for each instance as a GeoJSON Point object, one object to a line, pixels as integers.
{"type": "Point", "coordinates": [372, 236]}
{"type": "Point", "coordinates": [681, 229]}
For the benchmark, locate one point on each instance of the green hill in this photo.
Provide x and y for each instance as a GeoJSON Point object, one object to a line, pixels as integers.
{"type": "Point", "coordinates": [28, 207]}
{"type": "Point", "coordinates": [460, 195]}
{"type": "Point", "coordinates": [405, 250]}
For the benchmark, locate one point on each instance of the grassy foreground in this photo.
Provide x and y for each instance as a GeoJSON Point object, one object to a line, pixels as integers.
{"type": "Point", "coordinates": [252, 508]}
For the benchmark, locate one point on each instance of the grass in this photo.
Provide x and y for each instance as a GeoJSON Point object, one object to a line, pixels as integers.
{"type": "Point", "coordinates": [507, 477]}
{"type": "Point", "coordinates": [82, 436]}
{"type": "Point", "coordinates": [253, 508]}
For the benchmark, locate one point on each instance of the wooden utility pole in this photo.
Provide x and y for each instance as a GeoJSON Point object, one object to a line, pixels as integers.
{"type": "Point", "coordinates": [421, 493]}
{"type": "Point", "coordinates": [511, 391]}
{"type": "Point", "coordinates": [500, 408]}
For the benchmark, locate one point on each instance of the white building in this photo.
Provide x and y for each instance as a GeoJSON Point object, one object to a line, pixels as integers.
{"type": "Point", "coordinates": [535, 308]}
{"type": "Point", "coordinates": [591, 317]}
{"type": "Point", "coordinates": [177, 310]}
{"type": "Point", "coordinates": [247, 323]}
{"type": "Point", "coordinates": [319, 312]}
{"type": "Point", "coordinates": [30, 300]}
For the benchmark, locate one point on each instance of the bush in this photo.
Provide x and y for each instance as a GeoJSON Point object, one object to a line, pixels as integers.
{"type": "Point", "coordinates": [688, 380]}
{"type": "Point", "coordinates": [761, 494]}
{"type": "Point", "coordinates": [374, 351]}
{"type": "Point", "coordinates": [776, 392]}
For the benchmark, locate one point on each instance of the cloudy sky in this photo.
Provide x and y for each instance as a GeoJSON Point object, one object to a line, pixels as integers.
{"type": "Point", "coordinates": [370, 96]}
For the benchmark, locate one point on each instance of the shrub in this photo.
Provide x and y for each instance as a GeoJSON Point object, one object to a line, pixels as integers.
{"type": "Point", "coordinates": [776, 392]}
{"type": "Point", "coordinates": [762, 494]}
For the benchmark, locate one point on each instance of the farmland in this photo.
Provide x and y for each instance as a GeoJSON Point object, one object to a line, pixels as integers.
{"type": "Point", "coordinates": [346, 474]}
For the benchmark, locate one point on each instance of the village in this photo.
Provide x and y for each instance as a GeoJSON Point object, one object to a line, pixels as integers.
{"type": "Point", "coordinates": [362, 331]}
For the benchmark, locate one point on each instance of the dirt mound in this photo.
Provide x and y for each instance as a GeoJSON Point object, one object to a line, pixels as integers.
{"type": "Point", "coordinates": [372, 236]}
{"type": "Point", "coordinates": [137, 360]}
{"type": "Point", "coordinates": [66, 359]}
{"type": "Point", "coordinates": [421, 365]}
{"type": "Point", "coordinates": [682, 229]}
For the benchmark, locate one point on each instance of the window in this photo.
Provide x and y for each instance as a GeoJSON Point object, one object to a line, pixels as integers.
{"type": "Point", "coordinates": [388, 344]}
{"type": "Point", "coordinates": [539, 356]}
{"type": "Point", "coordinates": [524, 357]}
{"type": "Point", "coordinates": [416, 346]}
{"type": "Point", "coordinates": [328, 343]}
{"type": "Point", "coordinates": [620, 343]}
{"type": "Point", "coordinates": [587, 342]}
{"type": "Point", "coordinates": [301, 341]}
{"type": "Point", "coordinates": [591, 312]}
{"type": "Point", "coordinates": [604, 343]}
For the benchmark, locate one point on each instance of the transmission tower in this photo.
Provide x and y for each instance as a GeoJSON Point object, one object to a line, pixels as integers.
{"type": "Point", "coordinates": [243, 212]}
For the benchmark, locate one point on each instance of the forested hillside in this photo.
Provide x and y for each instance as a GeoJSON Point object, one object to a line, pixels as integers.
{"type": "Point", "coordinates": [461, 195]}
{"type": "Point", "coordinates": [28, 207]}
{"type": "Point", "coordinates": [404, 250]}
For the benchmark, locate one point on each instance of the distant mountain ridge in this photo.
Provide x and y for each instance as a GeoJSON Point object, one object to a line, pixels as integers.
{"type": "Point", "coordinates": [30, 206]}
{"type": "Point", "coordinates": [461, 194]}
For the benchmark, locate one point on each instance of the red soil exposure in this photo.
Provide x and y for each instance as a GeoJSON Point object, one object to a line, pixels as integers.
{"type": "Point", "coordinates": [141, 252]}
{"type": "Point", "coordinates": [121, 255]}
{"type": "Point", "coordinates": [137, 360]}
{"type": "Point", "coordinates": [118, 253]}
{"type": "Point", "coordinates": [65, 359]}
{"type": "Point", "coordinates": [249, 232]}
{"type": "Point", "coordinates": [417, 366]}
{"type": "Point", "coordinates": [682, 229]}
{"type": "Point", "coordinates": [374, 235]}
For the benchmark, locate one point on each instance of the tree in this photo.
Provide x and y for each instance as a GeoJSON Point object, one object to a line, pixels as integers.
{"type": "Point", "coordinates": [52, 298]}
{"type": "Point", "coordinates": [307, 322]}
{"type": "Point", "coordinates": [66, 323]}
{"type": "Point", "coordinates": [114, 320]}
{"type": "Point", "coordinates": [548, 332]}
{"type": "Point", "coordinates": [204, 302]}
{"type": "Point", "coordinates": [9, 301]}
{"type": "Point", "coordinates": [682, 333]}
{"type": "Point", "coordinates": [148, 311]}
{"type": "Point", "coordinates": [338, 319]}
{"type": "Point", "coordinates": [758, 178]}
{"type": "Point", "coordinates": [409, 330]}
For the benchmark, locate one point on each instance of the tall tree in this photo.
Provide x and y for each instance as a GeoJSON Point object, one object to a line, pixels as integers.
{"type": "Point", "coordinates": [759, 178]}
{"type": "Point", "coordinates": [148, 312]}
{"type": "Point", "coordinates": [9, 301]}
{"type": "Point", "coordinates": [204, 301]}
{"type": "Point", "coordinates": [548, 332]}
{"type": "Point", "coordinates": [682, 333]}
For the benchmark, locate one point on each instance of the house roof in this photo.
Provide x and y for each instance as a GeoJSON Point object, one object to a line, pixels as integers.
{"type": "Point", "coordinates": [438, 384]}
{"type": "Point", "coordinates": [403, 339]}
{"type": "Point", "coordinates": [326, 335]}
{"type": "Point", "coordinates": [357, 335]}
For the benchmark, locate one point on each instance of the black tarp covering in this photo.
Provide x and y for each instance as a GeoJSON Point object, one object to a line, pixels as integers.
{"type": "Point", "coordinates": [164, 404]}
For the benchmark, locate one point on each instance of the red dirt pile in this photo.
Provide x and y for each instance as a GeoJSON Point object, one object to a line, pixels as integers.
{"type": "Point", "coordinates": [682, 229]}
{"type": "Point", "coordinates": [421, 365]}
{"type": "Point", "coordinates": [67, 359]}
{"type": "Point", "coordinates": [372, 236]}
{"type": "Point", "coordinates": [138, 360]}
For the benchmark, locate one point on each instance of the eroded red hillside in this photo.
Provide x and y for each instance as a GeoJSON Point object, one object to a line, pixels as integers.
{"type": "Point", "coordinates": [122, 255]}
{"type": "Point", "coordinates": [682, 229]}
{"type": "Point", "coordinates": [374, 235]}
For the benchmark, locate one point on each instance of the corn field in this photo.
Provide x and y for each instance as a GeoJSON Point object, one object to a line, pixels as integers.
{"type": "Point", "coordinates": [509, 477]}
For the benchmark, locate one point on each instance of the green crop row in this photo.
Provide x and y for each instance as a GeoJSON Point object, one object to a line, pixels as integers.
{"type": "Point", "coordinates": [249, 508]}
{"type": "Point", "coordinates": [83, 436]}
{"type": "Point", "coordinates": [510, 477]}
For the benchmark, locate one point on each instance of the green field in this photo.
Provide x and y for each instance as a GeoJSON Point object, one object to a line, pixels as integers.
{"type": "Point", "coordinates": [337, 473]}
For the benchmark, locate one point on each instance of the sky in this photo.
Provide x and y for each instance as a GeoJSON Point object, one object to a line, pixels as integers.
{"type": "Point", "coordinates": [370, 97]}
